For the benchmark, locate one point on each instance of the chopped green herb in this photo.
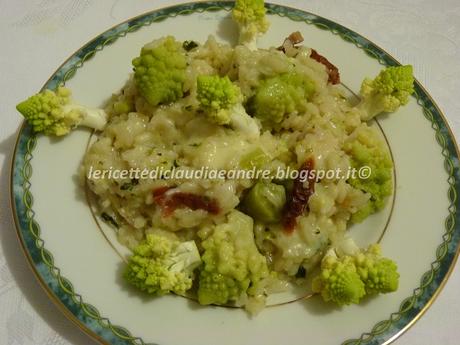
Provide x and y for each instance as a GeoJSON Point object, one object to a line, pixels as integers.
{"type": "Point", "coordinates": [301, 272]}
{"type": "Point", "coordinates": [189, 45]}
{"type": "Point", "coordinates": [129, 185]}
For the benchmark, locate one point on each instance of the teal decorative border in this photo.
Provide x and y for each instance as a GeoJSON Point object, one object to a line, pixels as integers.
{"type": "Point", "coordinates": [100, 327]}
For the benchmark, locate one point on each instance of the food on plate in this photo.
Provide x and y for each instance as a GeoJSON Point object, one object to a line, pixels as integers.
{"type": "Point", "coordinates": [280, 95]}
{"type": "Point", "coordinates": [160, 265]}
{"type": "Point", "coordinates": [387, 92]}
{"type": "Point", "coordinates": [252, 21]}
{"type": "Point", "coordinates": [348, 273]}
{"type": "Point", "coordinates": [56, 113]}
{"type": "Point", "coordinates": [265, 201]}
{"type": "Point", "coordinates": [365, 150]}
{"type": "Point", "coordinates": [216, 96]}
{"type": "Point", "coordinates": [159, 71]}
{"type": "Point", "coordinates": [233, 268]}
{"type": "Point", "coordinates": [236, 240]}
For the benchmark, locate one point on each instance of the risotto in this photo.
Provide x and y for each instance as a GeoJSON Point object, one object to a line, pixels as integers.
{"type": "Point", "coordinates": [175, 135]}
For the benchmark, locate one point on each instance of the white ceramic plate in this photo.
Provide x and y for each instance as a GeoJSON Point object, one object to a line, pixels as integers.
{"type": "Point", "coordinates": [80, 269]}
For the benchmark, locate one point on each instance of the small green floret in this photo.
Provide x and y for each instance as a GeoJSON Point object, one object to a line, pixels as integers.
{"type": "Point", "coordinates": [159, 71]}
{"type": "Point", "coordinates": [232, 264]}
{"type": "Point", "coordinates": [55, 113]}
{"type": "Point", "coordinates": [379, 274]}
{"type": "Point", "coordinates": [349, 273]}
{"type": "Point", "coordinates": [251, 19]}
{"type": "Point", "coordinates": [216, 96]}
{"type": "Point", "coordinates": [159, 265]}
{"type": "Point", "coordinates": [281, 95]}
{"type": "Point", "coordinates": [367, 150]}
{"type": "Point", "coordinates": [387, 92]}
{"type": "Point", "coordinates": [339, 282]}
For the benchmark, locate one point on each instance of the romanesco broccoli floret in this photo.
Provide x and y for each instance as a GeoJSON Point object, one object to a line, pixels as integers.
{"type": "Point", "coordinates": [220, 99]}
{"type": "Point", "coordinates": [387, 92]}
{"type": "Point", "coordinates": [160, 265]}
{"type": "Point", "coordinates": [367, 150]}
{"type": "Point", "coordinates": [251, 20]}
{"type": "Point", "coordinates": [216, 96]}
{"type": "Point", "coordinates": [338, 281]}
{"type": "Point", "coordinates": [379, 274]}
{"type": "Point", "coordinates": [281, 95]}
{"type": "Point", "coordinates": [55, 113]}
{"type": "Point", "coordinates": [232, 265]}
{"type": "Point", "coordinates": [348, 273]}
{"type": "Point", "coordinates": [159, 71]}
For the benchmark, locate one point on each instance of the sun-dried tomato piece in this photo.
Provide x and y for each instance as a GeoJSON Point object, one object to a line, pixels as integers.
{"type": "Point", "coordinates": [332, 71]}
{"type": "Point", "coordinates": [170, 202]}
{"type": "Point", "coordinates": [191, 201]}
{"type": "Point", "coordinates": [159, 194]}
{"type": "Point", "coordinates": [301, 193]}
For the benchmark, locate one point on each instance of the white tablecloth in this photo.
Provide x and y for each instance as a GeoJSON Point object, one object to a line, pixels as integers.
{"type": "Point", "coordinates": [36, 36]}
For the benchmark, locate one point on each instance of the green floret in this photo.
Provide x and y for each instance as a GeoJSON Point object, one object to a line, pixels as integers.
{"type": "Point", "coordinates": [219, 100]}
{"type": "Point", "coordinates": [367, 150]}
{"type": "Point", "coordinates": [339, 282]}
{"type": "Point", "coordinates": [379, 274]}
{"type": "Point", "coordinates": [160, 265]}
{"type": "Point", "coordinates": [278, 96]}
{"type": "Point", "coordinates": [159, 71]}
{"type": "Point", "coordinates": [349, 273]}
{"type": "Point", "coordinates": [55, 113]}
{"type": "Point", "coordinates": [216, 96]}
{"type": "Point", "coordinates": [232, 265]}
{"type": "Point", "coordinates": [387, 92]}
{"type": "Point", "coordinates": [251, 20]}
